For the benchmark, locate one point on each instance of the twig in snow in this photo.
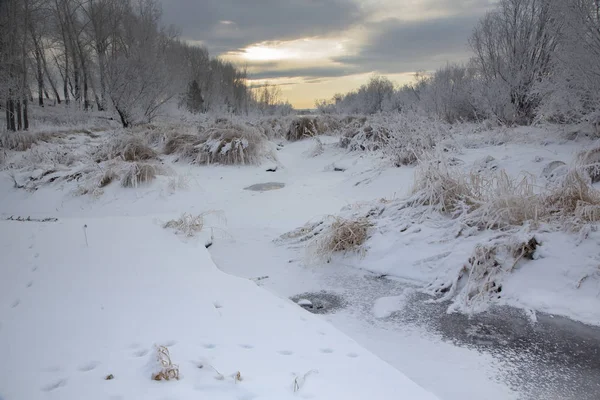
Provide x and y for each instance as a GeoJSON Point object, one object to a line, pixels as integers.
{"type": "Point", "coordinates": [85, 234]}
{"type": "Point", "coordinates": [299, 380]}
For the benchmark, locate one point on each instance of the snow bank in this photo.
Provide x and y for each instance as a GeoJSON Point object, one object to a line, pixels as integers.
{"type": "Point", "coordinates": [83, 300]}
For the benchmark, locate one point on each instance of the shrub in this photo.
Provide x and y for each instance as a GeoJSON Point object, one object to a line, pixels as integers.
{"type": "Point", "coordinates": [590, 161]}
{"type": "Point", "coordinates": [137, 174]}
{"type": "Point", "coordinates": [184, 145]}
{"type": "Point", "coordinates": [301, 128]}
{"type": "Point", "coordinates": [127, 148]}
{"type": "Point", "coordinates": [233, 146]}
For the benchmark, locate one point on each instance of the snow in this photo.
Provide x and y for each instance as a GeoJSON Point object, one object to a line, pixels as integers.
{"type": "Point", "coordinates": [159, 288]}
{"type": "Point", "coordinates": [386, 306]}
{"type": "Point", "coordinates": [74, 313]}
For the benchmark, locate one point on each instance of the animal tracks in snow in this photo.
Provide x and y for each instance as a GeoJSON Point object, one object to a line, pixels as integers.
{"type": "Point", "coordinates": [55, 385]}
{"type": "Point", "coordinates": [140, 353]}
{"type": "Point", "coordinates": [89, 366]}
{"type": "Point", "coordinates": [285, 352]}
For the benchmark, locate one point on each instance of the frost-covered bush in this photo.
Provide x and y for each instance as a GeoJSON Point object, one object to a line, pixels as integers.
{"type": "Point", "coordinates": [301, 128]}
{"type": "Point", "coordinates": [404, 138]}
{"type": "Point", "coordinates": [137, 174]}
{"type": "Point", "coordinates": [238, 145]}
{"type": "Point", "coordinates": [220, 142]}
{"type": "Point", "coordinates": [127, 147]}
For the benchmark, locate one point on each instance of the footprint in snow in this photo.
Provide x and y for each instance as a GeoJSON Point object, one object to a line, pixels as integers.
{"type": "Point", "coordinates": [352, 355]}
{"type": "Point", "coordinates": [55, 385]}
{"type": "Point", "coordinates": [327, 351]}
{"type": "Point", "coordinates": [15, 303]}
{"type": "Point", "coordinates": [140, 353]}
{"type": "Point", "coordinates": [29, 284]}
{"type": "Point", "coordinates": [34, 268]}
{"type": "Point", "coordinates": [89, 366]}
{"type": "Point", "coordinates": [285, 352]}
{"type": "Point", "coordinates": [209, 346]}
{"type": "Point", "coordinates": [37, 255]}
{"type": "Point", "coordinates": [246, 346]}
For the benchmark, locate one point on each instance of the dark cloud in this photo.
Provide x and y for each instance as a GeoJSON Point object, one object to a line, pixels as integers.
{"type": "Point", "coordinates": [252, 21]}
{"type": "Point", "coordinates": [396, 46]}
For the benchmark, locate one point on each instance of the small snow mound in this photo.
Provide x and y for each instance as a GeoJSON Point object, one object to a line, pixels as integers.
{"type": "Point", "coordinates": [305, 303]}
{"type": "Point", "coordinates": [386, 306]}
{"type": "Point", "coordinates": [550, 168]}
{"type": "Point", "coordinates": [487, 163]}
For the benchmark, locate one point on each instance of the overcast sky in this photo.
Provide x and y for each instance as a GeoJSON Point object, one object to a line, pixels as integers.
{"type": "Point", "coordinates": [316, 48]}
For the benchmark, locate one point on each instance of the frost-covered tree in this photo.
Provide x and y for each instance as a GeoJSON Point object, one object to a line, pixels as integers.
{"type": "Point", "coordinates": [513, 47]}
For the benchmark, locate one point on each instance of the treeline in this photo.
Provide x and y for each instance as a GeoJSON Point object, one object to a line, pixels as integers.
{"type": "Point", "coordinates": [532, 60]}
{"type": "Point", "coordinates": [109, 55]}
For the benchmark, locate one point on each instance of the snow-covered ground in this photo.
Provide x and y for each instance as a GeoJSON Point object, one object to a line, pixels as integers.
{"type": "Point", "coordinates": [158, 288]}
{"type": "Point", "coordinates": [85, 298]}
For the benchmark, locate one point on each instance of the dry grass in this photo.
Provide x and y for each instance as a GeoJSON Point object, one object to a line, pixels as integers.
{"type": "Point", "coordinates": [168, 371]}
{"type": "Point", "coordinates": [589, 161]}
{"type": "Point", "coordinates": [499, 201]}
{"type": "Point", "coordinates": [18, 141]}
{"type": "Point", "coordinates": [136, 150]}
{"type": "Point", "coordinates": [127, 148]}
{"type": "Point", "coordinates": [223, 143]}
{"type": "Point", "coordinates": [184, 145]}
{"type": "Point", "coordinates": [238, 145]}
{"type": "Point", "coordinates": [301, 128]}
{"type": "Point", "coordinates": [137, 174]}
{"type": "Point", "coordinates": [343, 236]}
{"type": "Point", "coordinates": [187, 224]}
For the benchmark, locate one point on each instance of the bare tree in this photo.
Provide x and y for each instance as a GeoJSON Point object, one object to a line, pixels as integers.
{"type": "Point", "coordinates": [513, 48]}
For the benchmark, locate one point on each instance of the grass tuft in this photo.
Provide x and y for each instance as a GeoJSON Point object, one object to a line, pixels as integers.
{"type": "Point", "coordinates": [138, 174]}
{"type": "Point", "coordinates": [343, 236]}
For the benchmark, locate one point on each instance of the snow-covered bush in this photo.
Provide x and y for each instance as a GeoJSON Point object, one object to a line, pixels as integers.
{"type": "Point", "coordinates": [137, 174]}
{"type": "Point", "coordinates": [403, 138]}
{"type": "Point", "coordinates": [127, 147]}
{"type": "Point", "coordinates": [301, 128]}
{"type": "Point", "coordinates": [589, 161]}
{"type": "Point", "coordinates": [220, 142]}
{"type": "Point", "coordinates": [162, 367]}
{"type": "Point", "coordinates": [187, 224]}
{"type": "Point", "coordinates": [343, 236]}
{"type": "Point", "coordinates": [237, 145]}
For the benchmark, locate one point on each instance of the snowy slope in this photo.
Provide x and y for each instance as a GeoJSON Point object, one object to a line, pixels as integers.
{"type": "Point", "coordinates": [73, 312]}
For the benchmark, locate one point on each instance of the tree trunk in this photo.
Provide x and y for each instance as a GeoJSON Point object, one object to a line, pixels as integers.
{"type": "Point", "coordinates": [40, 77]}
{"type": "Point", "coordinates": [124, 119]}
{"type": "Point", "coordinates": [102, 68]}
{"type": "Point", "coordinates": [19, 116]}
{"type": "Point", "coordinates": [49, 78]}
{"type": "Point", "coordinates": [11, 117]}
{"type": "Point", "coordinates": [25, 115]}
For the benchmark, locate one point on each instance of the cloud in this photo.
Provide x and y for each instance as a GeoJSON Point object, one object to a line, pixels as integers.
{"type": "Point", "coordinates": [306, 72]}
{"type": "Point", "coordinates": [395, 46]}
{"type": "Point", "coordinates": [226, 25]}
